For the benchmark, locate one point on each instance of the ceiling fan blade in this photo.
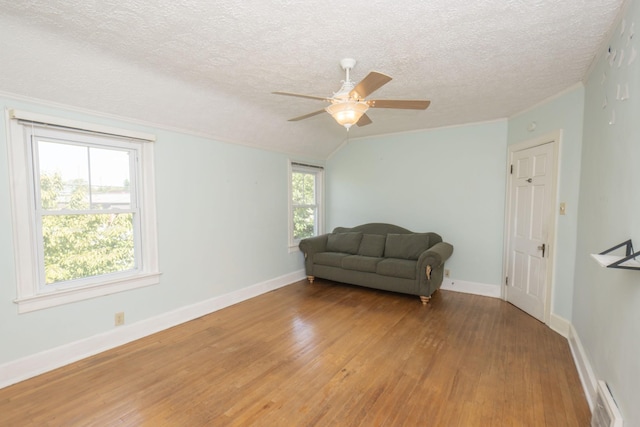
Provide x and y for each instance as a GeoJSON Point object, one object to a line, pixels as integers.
{"type": "Point", "coordinates": [405, 104]}
{"type": "Point", "coordinates": [306, 116]}
{"type": "Point", "coordinates": [364, 120]}
{"type": "Point", "coordinates": [369, 84]}
{"type": "Point", "coordinates": [321, 98]}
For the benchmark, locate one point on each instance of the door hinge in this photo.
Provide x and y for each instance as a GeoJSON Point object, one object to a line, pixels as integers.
{"type": "Point", "coordinates": [506, 281]}
{"type": "Point", "coordinates": [511, 171]}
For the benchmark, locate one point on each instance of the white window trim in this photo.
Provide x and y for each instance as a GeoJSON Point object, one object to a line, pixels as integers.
{"type": "Point", "coordinates": [29, 298]}
{"type": "Point", "coordinates": [319, 171]}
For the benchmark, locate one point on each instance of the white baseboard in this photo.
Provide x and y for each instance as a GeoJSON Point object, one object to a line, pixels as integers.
{"type": "Point", "coordinates": [36, 364]}
{"type": "Point", "coordinates": [471, 288]}
{"type": "Point", "coordinates": [560, 325]}
{"type": "Point", "coordinates": [587, 376]}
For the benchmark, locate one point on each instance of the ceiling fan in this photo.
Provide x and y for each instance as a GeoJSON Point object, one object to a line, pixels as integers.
{"type": "Point", "coordinates": [348, 106]}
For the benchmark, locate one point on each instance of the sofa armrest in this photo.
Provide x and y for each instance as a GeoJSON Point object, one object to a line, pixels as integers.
{"type": "Point", "coordinates": [430, 267]}
{"type": "Point", "coordinates": [313, 245]}
{"type": "Point", "coordinates": [435, 256]}
{"type": "Point", "coordinates": [310, 246]}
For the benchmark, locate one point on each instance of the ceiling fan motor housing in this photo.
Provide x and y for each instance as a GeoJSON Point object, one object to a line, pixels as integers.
{"type": "Point", "coordinates": [347, 63]}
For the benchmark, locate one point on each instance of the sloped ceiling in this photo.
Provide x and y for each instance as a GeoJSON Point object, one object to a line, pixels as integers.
{"type": "Point", "coordinates": [209, 67]}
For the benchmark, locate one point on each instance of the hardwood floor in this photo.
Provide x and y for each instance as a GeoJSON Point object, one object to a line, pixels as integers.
{"type": "Point", "coordinates": [322, 355]}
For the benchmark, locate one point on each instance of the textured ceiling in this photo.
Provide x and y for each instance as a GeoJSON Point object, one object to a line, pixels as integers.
{"type": "Point", "coordinates": [210, 66]}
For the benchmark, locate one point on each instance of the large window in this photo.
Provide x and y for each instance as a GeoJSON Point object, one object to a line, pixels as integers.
{"type": "Point", "coordinates": [83, 210]}
{"type": "Point", "coordinates": [305, 214]}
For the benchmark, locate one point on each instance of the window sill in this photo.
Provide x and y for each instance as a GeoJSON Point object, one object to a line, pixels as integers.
{"type": "Point", "coordinates": [293, 249]}
{"type": "Point", "coordinates": [66, 296]}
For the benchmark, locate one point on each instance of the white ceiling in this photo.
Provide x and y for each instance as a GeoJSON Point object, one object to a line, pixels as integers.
{"type": "Point", "coordinates": [210, 66]}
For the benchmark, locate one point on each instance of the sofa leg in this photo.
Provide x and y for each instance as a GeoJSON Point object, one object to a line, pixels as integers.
{"type": "Point", "coordinates": [310, 279]}
{"type": "Point", "coordinates": [425, 300]}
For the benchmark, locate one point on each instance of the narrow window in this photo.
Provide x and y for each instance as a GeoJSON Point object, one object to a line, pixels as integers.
{"type": "Point", "coordinates": [306, 197]}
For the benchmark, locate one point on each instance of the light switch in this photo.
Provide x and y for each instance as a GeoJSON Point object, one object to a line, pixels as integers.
{"type": "Point", "coordinates": [563, 208]}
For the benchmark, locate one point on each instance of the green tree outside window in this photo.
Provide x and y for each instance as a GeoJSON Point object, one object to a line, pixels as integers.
{"type": "Point", "coordinates": [83, 244]}
{"type": "Point", "coordinates": [304, 204]}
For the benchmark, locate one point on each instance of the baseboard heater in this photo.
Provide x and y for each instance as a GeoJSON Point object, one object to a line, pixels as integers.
{"type": "Point", "coordinates": [605, 412]}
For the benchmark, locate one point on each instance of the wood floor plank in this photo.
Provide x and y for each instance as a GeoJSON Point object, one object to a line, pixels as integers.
{"type": "Point", "coordinates": [321, 354]}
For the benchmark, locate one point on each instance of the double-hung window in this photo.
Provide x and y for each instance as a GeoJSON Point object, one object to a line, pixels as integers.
{"type": "Point", "coordinates": [83, 210]}
{"type": "Point", "coordinates": [306, 202]}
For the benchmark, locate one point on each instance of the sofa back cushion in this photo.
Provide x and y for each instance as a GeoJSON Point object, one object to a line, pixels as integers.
{"type": "Point", "coordinates": [372, 245]}
{"type": "Point", "coordinates": [347, 243]}
{"type": "Point", "coordinates": [406, 246]}
{"type": "Point", "coordinates": [374, 228]}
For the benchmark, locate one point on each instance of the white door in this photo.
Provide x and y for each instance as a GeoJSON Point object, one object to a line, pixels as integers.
{"type": "Point", "coordinates": [531, 216]}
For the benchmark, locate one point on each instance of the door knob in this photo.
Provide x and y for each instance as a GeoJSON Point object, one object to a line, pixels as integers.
{"type": "Point", "coordinates": [542, 248]}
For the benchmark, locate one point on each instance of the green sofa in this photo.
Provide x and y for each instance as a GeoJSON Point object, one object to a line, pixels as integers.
{"type": "Point", "coordinates": [381, 256]}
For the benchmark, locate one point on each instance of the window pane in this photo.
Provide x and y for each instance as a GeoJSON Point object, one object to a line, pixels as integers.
{"type": "Point", "coordinates": [297, 188]}
{"type": "Point", "coordinates": [309, 189]}
{"type": "Point", "coordinates": [78, 246]}
{"type": "Point", "coordinates": [304, 188]}
{"type": "Point", "coordinates": [304, 220]}
{"type": "Point", "coordinates": [80, 177]}
{"type": "Point", "coordinates": [64, 176]}
{"type": "Point", "coordinates": [109, 179]}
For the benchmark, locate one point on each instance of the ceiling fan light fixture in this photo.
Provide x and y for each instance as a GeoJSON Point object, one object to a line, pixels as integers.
{"type": "Point", "coordinates": [347, 113]}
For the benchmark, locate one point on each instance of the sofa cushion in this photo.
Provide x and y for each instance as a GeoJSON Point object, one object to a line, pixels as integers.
{"type": "Point", "coordinates": [344, 242]}
{"type": "Point", "coordinates": [360, 263]}
{"type": "Point", "coordinates": [333, 259]}
{"type": "Point", "coordinates": [372, 245]}
{"type": "Point", "coordinates": [394, 267]}
{"type": "Point", "coordinates": [406, 246]}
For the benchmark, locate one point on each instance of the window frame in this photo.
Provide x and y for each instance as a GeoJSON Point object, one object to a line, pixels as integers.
{"type": "Point", "coordinates": [28, 263]}
{"type": "Point", "coordinates": [318, 171]}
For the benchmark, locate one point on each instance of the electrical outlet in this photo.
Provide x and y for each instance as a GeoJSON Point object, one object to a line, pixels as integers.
{"type": "Point", "coordinates": [119, 318]}
{"type": "Point", "coordinates": [447, 273]}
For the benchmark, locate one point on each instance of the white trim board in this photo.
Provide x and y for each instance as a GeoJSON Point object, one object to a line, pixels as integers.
{"type": "Point", "coordinates": [413, 131]}
{"type": "Point", "coordinates": [471, 288]}
{"type": "Point", "coordinates": [36, 364]}
{"type": "Point", "coordinates": [585, 371]}
{"type": "Point", "coordinates": [560, 325]}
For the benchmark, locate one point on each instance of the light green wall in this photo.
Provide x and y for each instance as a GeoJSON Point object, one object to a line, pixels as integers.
{"type": "Point", "coordinates": [606, 313]}
{"type": "Point", "coordinates": [222, 226]}
{"type": "Point", "coordinates": [450, 181]}
{"type": "Point", "coordinates": [221, 207]}
{"type": "Point", "coordinates": [562, 113]}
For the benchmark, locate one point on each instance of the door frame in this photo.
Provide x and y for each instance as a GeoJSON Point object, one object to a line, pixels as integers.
{"type": "Point", "coordinates": [555, 138]}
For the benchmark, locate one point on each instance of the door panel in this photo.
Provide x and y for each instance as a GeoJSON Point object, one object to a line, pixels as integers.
{"type": "Point", "coordinates": [531, 210]}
